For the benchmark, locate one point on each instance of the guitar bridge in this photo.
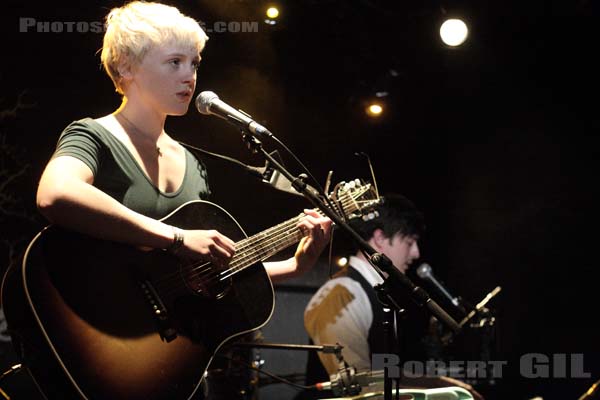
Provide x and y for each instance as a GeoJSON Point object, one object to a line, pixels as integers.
{"type": "Point", "coordinates": [159, 311]}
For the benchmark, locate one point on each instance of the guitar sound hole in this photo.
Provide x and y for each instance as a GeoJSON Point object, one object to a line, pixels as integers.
{"type": "Point", "coordinates": [206, 279]}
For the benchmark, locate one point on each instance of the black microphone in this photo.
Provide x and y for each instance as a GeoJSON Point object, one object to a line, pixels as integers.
{"type": "Point", "coordinates": [209, 103]}
{"type": "Point", "coordinates": [425, 272]}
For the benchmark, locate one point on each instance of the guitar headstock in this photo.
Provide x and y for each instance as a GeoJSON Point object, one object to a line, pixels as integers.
{"type": "Point", "coordinates": [355, 199]}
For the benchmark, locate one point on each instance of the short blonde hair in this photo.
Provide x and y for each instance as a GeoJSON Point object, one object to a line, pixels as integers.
{"type": "Point", "coordinates": [137, 27]}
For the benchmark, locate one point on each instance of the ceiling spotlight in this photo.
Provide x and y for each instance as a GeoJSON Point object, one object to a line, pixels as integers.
{"type": "Point", "coordinates": [374, 109]}
{"type": "Point", "coordinates": [272, 12]}
{"type": "Point", "coordinates": [454, 32]}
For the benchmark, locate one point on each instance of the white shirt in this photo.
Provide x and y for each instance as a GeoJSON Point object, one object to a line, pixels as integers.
{"type": "Point", "coordinates": [340, 312]}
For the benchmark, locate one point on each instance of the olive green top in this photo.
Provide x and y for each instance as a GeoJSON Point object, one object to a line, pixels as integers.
{"type": "Point", "coordinates": [117, 173]}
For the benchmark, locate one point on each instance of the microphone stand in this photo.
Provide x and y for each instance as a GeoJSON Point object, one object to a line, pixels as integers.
{"type": "Point", "coordinates": [390, 338]}
{"type": "Point", "coordinates": [345, 382]}
{"type": "Point", "coordinates": [395, 281]}
{"type": "Point", "coordinates": [327, 349]}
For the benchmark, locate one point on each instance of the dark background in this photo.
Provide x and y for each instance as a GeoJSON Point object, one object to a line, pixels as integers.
{"type": "Point", "coordinates": [495, 141]}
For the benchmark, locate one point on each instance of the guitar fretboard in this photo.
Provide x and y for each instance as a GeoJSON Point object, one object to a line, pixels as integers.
{"type": "Point", "coordinates": [271, 241]}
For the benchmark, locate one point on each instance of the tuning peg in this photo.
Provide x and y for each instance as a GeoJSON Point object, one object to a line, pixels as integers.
{"type": "Point", "coordinates": [370, 216]}
{"type": "Point", "coordinates": [328, 182]}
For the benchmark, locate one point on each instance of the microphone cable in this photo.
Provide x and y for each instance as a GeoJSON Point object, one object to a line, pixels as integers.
{"type": "Point", "coordinates": [305, 169]}
{"type": "Point", "coordinates": [269, 374]}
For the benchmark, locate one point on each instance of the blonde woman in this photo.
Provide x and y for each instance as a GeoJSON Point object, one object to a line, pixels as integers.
{"type": "Point", "coordinates": [109, 326]}
{"type": "Point", "coordinates": [114, 176]}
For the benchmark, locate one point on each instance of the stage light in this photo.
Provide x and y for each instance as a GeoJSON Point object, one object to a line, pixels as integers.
{"type": "Point", "coordinates": [374, 110]}
{"type": "Point", "coordinates": [454, 32]}
{"type": "Point", "coordinates": [272, 12]}
{"type": "Point", "coordinates": [342, 262]}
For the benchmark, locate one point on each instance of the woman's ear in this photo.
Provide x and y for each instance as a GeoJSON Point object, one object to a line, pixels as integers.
{"type": "Point", "coordinates": [125, 70]}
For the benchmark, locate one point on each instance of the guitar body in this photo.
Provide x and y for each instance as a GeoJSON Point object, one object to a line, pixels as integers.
{"type": "Point", "coordinates": [99, 320]}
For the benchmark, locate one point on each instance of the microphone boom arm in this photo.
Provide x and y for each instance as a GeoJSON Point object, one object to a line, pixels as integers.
{"type": "Point", "coordinates": [396, 279]}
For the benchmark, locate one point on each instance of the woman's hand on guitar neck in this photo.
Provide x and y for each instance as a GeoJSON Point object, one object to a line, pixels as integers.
{"type": "Point", "coordinates": [317, 230]}
{"type": "Point", "coordinates": [209, 245]}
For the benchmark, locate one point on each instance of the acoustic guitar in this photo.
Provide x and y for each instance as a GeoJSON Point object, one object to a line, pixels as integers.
{"type": "Point", "coordinates": [95, 319]}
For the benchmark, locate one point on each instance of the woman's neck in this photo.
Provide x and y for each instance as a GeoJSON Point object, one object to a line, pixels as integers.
{"type": "Point", "coordinates": [142, 120]}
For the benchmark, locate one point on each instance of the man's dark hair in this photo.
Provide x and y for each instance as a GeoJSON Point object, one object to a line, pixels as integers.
{"type": "Point", "coordinates": [396, 214]}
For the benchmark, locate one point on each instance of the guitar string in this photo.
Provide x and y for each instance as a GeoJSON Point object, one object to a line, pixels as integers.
{"type": "Point", "coordinates": [243, 245]}
{"type": "Point", "coordinates": [240, 258]}
{"type": "Point", "coordinates": [246, 243]}
{"type": "Point", "coordinates": [279, 234]}
{"type": "Point", "coordinates": [209, 273]}
{"type": "Point", "coordinates": [208, 268]}
{"type": "Point", "coordinates": [271, 236]}
{"type": "Point", "coordinates": [245, 262]}
{"type": "Point", "coordinates": [286, 240]}
{"type": "Point", "coordinates": [212, 274]}
{"type": "Point", "coordinates": [241, 262]}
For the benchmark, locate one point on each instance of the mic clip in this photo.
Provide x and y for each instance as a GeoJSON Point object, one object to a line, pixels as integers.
{"type": "Point", "coordinates": [344, 382]}
{"type": "Point", "coordinates": [273, 177]}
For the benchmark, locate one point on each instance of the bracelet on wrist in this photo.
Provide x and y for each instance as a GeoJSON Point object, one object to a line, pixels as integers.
{"type": "Point", "coordinates": [174, 247]}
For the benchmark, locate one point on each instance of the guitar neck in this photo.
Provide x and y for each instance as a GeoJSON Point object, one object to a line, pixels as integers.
{"type": "Point", "coordinates": [271, 241]}
{"type": "Point", "coordinates": [265, 244]}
